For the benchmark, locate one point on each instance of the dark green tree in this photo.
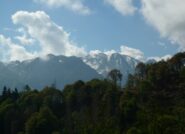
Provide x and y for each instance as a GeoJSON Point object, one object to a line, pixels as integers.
{"type": "Point", "coordinates": [116, 76]}
{"type": "Point", "coordinates": [43, 122]}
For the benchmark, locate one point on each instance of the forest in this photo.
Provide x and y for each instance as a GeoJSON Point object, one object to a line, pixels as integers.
{"type": "Point", "coordinates": [152, 102]}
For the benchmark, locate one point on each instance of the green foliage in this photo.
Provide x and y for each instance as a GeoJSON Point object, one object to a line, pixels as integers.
{"type": "Point", "coordinates": [43, 122]}
{"type": "Point", "coordinates": [133, 130]}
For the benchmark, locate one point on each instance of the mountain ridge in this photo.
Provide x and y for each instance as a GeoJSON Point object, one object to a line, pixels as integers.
{"type": "Point", "coordinates": [62, 70]}
{"type": "Point", "coordinates": [40, 72]}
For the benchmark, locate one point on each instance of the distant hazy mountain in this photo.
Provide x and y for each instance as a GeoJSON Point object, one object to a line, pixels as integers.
{"type": "Point", "coordinates": [8, 77]}
{"type": "Point", "coordinates": [103, 63]}
{"type": "Point", "coordinates": [62, 70]}
{"type": "Point", "coordinates": [38, 73]}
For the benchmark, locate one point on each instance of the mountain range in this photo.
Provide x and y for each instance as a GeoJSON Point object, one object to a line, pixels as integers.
{"type": "Point", "coordinates": [62, 70]}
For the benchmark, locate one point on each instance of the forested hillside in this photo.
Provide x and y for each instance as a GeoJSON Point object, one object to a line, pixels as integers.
{"type": "Point", "coordinates": [153, 102]}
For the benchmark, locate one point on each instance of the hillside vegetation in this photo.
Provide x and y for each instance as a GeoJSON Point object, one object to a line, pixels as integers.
{"type": "Point", "coordinates": [153, 102]}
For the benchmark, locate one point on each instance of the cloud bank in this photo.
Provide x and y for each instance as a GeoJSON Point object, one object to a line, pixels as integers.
{"type": "Point", "coordinates": [165, 58]}
{"type": "Point", "coordinates": [40, 32]}
{"type": "Point", "coordinates": [125, 7]}
{"type": "Point", "coordinates": [10, 51]}
{"type": "Point", "coordinates": [77, 6]}
{"type": "Point", "coordinates": [168, 17]}
{"type": "Point", "coordinates": [51, 37]}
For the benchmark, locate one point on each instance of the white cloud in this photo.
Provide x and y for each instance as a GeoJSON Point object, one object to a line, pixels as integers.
{"type": "Point", "coordinates": [37, 27]}
{"type": "Point", "coordinates": [132, 52]}
{"type": "Point", "coordinates": [168, 17]}
{"type": "Point", "coordinates": [10, 51]}
{"type": "Point", "coordinates": [124, 50]}
{"type": "Point", "coordinates": [165, 58]}
{"type": "Point", "coordinates": [125, 7]}
{"type": "Point", "coordinates": [93, 53]}
{"type": "Point", "coordinates": [24, 39]}
{"type": "Point", "coordinates": [20, 53]}
{"type": "Point", "coordinates": [110, 52]}
{"type": "Point", "coordinates": [51, 37]}
{"type": "Point", "coordinates": [74, 5]}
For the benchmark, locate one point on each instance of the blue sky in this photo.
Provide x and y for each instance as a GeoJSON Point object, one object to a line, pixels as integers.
{"type": "Point", "coordinates": [93, 25]}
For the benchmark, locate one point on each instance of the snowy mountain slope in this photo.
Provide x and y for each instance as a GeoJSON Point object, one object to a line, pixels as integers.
{"type": "Point", "coordinates": [103, 63]}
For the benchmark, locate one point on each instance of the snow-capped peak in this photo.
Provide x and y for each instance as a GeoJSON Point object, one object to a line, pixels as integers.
{"type": "Point", "coordinates": [103, 63]}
